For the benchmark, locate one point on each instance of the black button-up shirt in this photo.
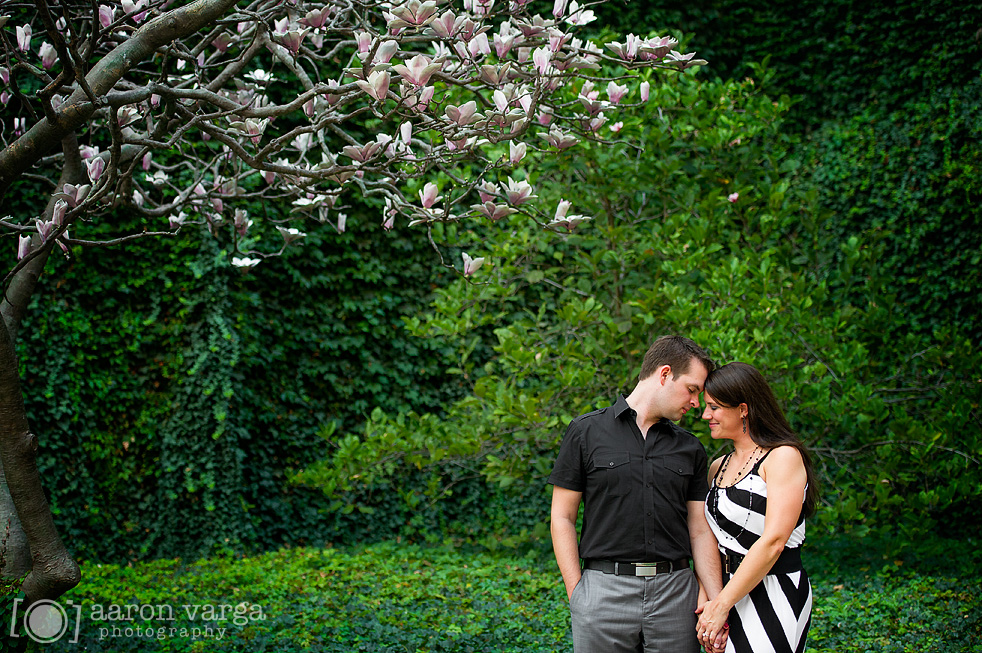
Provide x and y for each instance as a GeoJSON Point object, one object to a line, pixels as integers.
{"type": "Point", "coordinates": [634, 489]}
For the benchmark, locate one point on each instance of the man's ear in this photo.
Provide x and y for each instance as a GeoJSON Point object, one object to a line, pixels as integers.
{"type": "Point", "coordinates": [664, 372]}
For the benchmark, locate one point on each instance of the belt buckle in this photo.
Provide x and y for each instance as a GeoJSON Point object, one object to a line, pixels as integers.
{"type": "Point", "coordinates": [646, 568]}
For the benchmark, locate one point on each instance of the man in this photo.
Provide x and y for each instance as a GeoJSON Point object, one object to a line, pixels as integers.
{"type": "Point", "coordinates": [642, 481]}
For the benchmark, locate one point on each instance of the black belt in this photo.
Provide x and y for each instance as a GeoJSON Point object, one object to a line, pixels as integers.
{"type": "Point", "coordinates": [637, 568]}
{"type": "Point", "coordinates": [787, 563]}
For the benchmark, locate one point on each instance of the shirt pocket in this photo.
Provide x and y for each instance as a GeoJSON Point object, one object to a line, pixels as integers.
{"type": "Point", "coordinates": [679, 472]}
{"type": "Point", "coordinates": [613, 472]}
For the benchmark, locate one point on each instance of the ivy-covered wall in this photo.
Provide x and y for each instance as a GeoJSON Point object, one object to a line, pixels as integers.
{"type": "Point", "coordinates": [173, 393]}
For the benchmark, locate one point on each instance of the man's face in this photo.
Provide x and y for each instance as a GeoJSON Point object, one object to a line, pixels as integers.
{"type": "Point", "coordinates": [683, 392]}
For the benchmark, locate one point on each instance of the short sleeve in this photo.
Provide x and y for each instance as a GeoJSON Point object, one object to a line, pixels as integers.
{"type": "Point", "coordinates": [699, 488]}
{"type": "Point", "coordinates": [568, 471]}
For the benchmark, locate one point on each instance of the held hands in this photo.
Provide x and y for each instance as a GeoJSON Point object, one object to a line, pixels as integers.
{"type": "Point", "coordinates": [712, 630]}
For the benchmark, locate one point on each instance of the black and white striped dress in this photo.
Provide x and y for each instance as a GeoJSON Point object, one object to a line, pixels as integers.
{"type": "Point", "coordinates": [775, 616]}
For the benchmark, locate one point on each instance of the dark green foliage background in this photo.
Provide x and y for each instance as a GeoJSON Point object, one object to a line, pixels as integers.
{"type": "Point", "coordinates": [172, 392]}
{"type": "Point", "coordinates": [174, 395]}
{"type": "Point", "coordinates": [889, 99]}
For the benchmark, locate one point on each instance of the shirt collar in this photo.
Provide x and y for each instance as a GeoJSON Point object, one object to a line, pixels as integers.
{"type": "Point", "coordinates": [621, 406]}
{"type": "Point", "coordinates": [664, 424]}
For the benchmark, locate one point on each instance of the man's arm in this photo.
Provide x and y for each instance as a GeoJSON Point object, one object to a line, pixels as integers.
{"type": "Point", "coordinates": [705, 552]}
{"type": "Point", "coordinates": [565, 507]}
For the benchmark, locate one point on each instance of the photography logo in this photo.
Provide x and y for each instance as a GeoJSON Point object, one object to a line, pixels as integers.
{"type": "Point", "coordinates": [46, 621]}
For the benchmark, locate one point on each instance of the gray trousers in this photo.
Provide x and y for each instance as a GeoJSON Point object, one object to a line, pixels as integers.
{"type": "Point", "coordinates": [615, 614]}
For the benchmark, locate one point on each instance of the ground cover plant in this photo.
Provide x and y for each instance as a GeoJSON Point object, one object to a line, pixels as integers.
{"type": "Point", "coordinates": [394, 596]}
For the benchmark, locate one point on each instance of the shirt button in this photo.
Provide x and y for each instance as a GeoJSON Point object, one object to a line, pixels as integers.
{"type": "Point", "coordinates": [680, 469]}
{"type": "Point", "coordinates": [612, 464]}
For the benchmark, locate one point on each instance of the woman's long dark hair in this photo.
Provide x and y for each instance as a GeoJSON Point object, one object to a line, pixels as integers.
{"type": "Point", "coordinates": [739, 383]}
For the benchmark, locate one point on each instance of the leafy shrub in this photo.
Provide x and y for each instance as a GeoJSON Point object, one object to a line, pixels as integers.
{"type": "Point", "coordinates": [397, 597]}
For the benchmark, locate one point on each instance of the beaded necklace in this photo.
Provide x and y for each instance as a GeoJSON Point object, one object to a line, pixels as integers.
{"type": "Point", "coordinates": [717, 488]}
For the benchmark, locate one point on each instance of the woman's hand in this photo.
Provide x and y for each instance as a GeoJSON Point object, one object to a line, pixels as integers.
{"type": "Point", "coordinates": [711, 629]}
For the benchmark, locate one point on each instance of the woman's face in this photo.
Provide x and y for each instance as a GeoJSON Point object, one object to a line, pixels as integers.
{"type": "Point", "coordinates": [724, 421]}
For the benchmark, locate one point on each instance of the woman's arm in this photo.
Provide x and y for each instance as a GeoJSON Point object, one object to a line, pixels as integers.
{"type": "Point", "coordinates": [784, 473]}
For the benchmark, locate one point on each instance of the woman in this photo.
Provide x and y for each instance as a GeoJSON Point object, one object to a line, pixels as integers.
{"type": "Point", "coordinates": [759, 496]}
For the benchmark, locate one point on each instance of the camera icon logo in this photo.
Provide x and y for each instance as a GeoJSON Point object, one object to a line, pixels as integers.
{"type": "Point", "coordinates": [46, 621]}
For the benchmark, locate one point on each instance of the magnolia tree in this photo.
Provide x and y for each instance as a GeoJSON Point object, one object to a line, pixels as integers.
{"type": "Point", "coordinates": [188, 113]}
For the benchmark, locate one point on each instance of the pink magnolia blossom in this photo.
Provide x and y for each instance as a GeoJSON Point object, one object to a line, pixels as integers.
{"type": "Point", "coordinates": [24, 38]}
{"type": "Point", "coordinates": [495, 75]}
{"type": "Point", "coordinates": [560, 140]}
{"type": "Point", "coordinates": [95, 167]}
{"type": "Point", "coordinates": [176, 221]}
{"type": "Point", "coordinates": [412, 14]}
{"type": "Point", "coordinates": [290, 234]}
{"type": "Point", "coordinates": [558, 39]}
{"type": "Point", "coordinates": [377, 84]}
{"type": "Point", "coordinates": [385, 52]}
{"type": "Point", "coordinates": [48, 55]}
{"type": "Point", "coordinates": [616, 92]}
{"type": "Point", "coordinates": [479, 45]}
{"type": "Point", "coordinates": [579, 16]}
{"type": "Point", "coordinates": [446, 24]}
{"type": "Point", "coordinates": [733, 197]}
{"type": "Point", "coordinates": [493, 211]}
{"type": "Point", "coordinates": [418, 70]}
{"type": "Point", "coordinates": [657, 47]}
{"type": "Point", "coordinates": [316, 17]}
{"type": "Point", "coordinates": [362, 153]}
{"type": "Point", "coordinates": [684, 61]}
{"type": "Point", "coordinates": [428, 196]}
{"type": "Point", "coordinates": [222, 41]}
{"type": "Point", "coordinates": [106, 15]}
{"type": "Point", "coordinates": [291, 40]}
{"type": "Point", "coordinates": [617, 126]}
{"type": "Point", "coordinates": [364, 42]}
{"type": "Point", "coordinates": [503, 44]}
{"type": "Point", "coordinates": [645, 91]}
{"type": "Point", "coordinates": [559, 7]}
{"type": "Point", "coordinates": [127, 115]}
{"type": "Point", "coordinates": [4, 75]}
{"type": "Point", "coordinates": [562, 208]}
{"type": "Point", "coordinates": [516, 152]}
{"type": "Point", "coordinates": [134, 9]}
{"type": "Point", "coordinates": [471, 265]}
{"type": "Point", "coordinates": [462, 115]}
{"type": "Point", "coordinates": [541, 57]}
{"type": "Point", "coordinates": [23, 247]}
{"type": "Point", "coordinates": [58, 212]}
{"type": "Point", "coordinates": [518, 192]}
{"type": "Point", "coordinates": [487, 191]}
{"type": "Point", "coordinates": [536, 27]}
{"type": "Point", "coordinates": [342, 222]}
{"type": "Point", "coordinates": [74, 195]}
{"type": "Point", "coordinates": [44, 228]}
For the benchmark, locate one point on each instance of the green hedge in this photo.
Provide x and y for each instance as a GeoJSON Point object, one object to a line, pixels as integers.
{"type": "Point", "coordinates": [173, 394]}
{"type": "Point", "coordinates": [397, 597]}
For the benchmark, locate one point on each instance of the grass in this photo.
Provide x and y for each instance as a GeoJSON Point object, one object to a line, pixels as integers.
{"type": "Point", "coordinates": [392, 597]}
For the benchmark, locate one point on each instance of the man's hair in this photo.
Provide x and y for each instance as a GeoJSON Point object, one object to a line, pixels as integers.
{"type": "Point", "coordinates": [676, 352]}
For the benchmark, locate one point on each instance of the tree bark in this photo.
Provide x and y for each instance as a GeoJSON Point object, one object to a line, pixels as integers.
{"type": "Point", "coordinates": [53, 570]}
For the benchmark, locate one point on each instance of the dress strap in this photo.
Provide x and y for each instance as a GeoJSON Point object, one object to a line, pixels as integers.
{"type": "Point", "coordinates": [756, 469]}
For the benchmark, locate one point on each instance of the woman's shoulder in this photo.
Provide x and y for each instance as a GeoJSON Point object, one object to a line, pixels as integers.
{"type": "Point", "coordinates": [714, 466]}
{"type": "Point", "coordinates": [784, 457]}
